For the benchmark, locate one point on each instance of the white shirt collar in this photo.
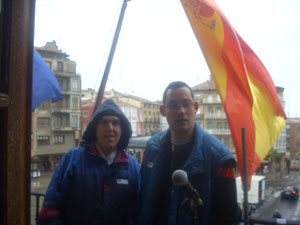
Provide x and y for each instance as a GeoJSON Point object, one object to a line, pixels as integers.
{"type": "Point", "coordinates": [110, 158]}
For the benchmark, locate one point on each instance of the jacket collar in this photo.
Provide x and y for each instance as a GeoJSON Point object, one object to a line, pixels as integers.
{"type": "Point", "coordinates": [120, 157]}
{"type": "Point", "coordinates": [195, 161]}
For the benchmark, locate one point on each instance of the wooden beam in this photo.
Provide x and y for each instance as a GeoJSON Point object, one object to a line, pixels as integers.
{"type": "Point", "coordinates": [17, 50]}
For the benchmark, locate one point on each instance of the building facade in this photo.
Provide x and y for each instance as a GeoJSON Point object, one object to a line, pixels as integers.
{"type": "Point", "coordinates": [148, 114]}
{"type": "Point", "coordinates": [211, 115]}
{"type": "Point", "coordinates": [56, 126]}
{"type": "Point", "coordinates": [293, 137]}
{"type": "Point", "coordinates": [212, 118]}
{"type": "Point", "coordinates": [280, 143]}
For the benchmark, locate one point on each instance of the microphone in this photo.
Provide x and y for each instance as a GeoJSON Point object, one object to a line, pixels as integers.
{"type": "Point", "coordinates": [180, 178]}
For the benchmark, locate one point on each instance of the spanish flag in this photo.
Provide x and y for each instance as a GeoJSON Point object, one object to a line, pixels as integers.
{"type": "Point", "coordinates": [246, 89]}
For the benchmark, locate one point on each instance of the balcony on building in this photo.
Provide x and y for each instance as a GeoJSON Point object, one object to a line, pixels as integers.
{"type": "Point", "coordinates": [219, 131]}
{"type": "Point", "coordinates": [199, 116]}
{"type": "Point", "coordinates": [215, 116]}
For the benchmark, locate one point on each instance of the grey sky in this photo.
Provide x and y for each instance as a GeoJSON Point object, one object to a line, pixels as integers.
{"type": "Point", "coordinates": [157, 45]}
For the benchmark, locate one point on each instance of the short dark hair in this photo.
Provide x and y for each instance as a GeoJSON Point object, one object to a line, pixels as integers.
{"type": "Point", "coordinates": [174, 85]}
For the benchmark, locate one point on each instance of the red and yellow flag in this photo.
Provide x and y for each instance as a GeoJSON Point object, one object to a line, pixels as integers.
{"type": "Point", "coordinates": [247, 91]}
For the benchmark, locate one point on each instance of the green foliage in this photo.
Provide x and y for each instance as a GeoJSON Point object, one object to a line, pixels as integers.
{"type": "Point", "coordinates": [273, 154]}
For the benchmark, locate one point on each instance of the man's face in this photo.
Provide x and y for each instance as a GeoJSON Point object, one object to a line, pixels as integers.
{"type": "Point", "coordinates": [108, 132]}
{"type": "Point", "coordinates": [180, 110]}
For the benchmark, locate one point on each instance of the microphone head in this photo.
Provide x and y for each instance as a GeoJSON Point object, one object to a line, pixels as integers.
{"type": "Point", "coordinates": [179, 177]}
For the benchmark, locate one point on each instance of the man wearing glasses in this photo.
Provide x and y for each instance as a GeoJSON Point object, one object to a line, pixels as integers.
{"type": "Point", "coordinates": [208, 163]}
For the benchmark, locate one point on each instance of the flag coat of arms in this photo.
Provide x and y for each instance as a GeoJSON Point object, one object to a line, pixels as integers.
{"type": "Point", "coordinates": [246, 89]}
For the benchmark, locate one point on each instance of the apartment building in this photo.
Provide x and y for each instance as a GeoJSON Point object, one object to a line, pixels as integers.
{"type": "Point", "coordinates": [147, 112]}
{"type": "Point", "coordinates": [280, 143]}
{"type": "Point", "coordinates": [211, 115]}
{"type": "Point", "coordinates": [56, 126]}
{"type": "Point", "coordinates": [212, 118]}
{"type": "Point", "coordinates": [293, 137]}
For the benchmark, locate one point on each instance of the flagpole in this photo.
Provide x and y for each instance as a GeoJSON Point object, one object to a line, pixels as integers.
{"type": "Point", "coordinates": [110, 57]}
{"type": "Point", "coordinates": [245, 179]}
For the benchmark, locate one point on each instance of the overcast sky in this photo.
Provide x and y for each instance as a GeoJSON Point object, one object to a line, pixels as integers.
{"type": "Point", "coordinates": [157, 45]}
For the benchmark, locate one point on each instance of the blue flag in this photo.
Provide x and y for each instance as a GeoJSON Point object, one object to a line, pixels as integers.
{"type": "Point", "coordinates": [45, 85]}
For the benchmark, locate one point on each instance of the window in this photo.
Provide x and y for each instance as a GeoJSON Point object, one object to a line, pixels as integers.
{"type": "Point", "coordinates": [74, 85]}
{"type": "Point", "coordinates": [219, 112]}
{"type": "Point", "coordinates": [60, 82]}
{"type": "Point", "coordinates": [226, 126]}
{"type": "Point", "coordinates": [59, 139]}
{"type": "Point", "coordinates": [43, 140]}
{"type": "Point", "coordinates": [74, 121]}
{"type": "Point", "coordinates": [226, 141]}
{"type": "Point", "coordinates": [219, 126]}
{"type": "Point", "coordinates": [210, 111]}
{"type": "Point", "coordinates": [85, 114]}
{"type": "Point", "coordinates": [49, 64]}
{"type": "Point", "coordinates": [43, 122]}
{"type": "Point", "coordinates": [58, 104]}
{"type": "Point", "coordinates": [60, 66]}
{"type": "Point", "coordinates": [58, 122]}
{"type": "Point", "coordinates": [74, 102]}
{"type": "Point", "coordinates": [45, 105]}
{"type": "Point", "coordinates": [198, 98]}
{"type": "Point", "coordinates": [210, 126]}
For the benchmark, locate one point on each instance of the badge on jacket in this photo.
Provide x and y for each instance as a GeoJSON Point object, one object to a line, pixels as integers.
{"type": "Point", "coordinates": [150, 164]}
{"type": "Point", "coordinates": [122, 181]}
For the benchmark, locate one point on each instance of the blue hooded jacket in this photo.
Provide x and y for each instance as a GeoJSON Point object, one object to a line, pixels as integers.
{"type": "Point", "coordinates": [202, 166]}
{"type": "Point", "coordinates": [86, 190]}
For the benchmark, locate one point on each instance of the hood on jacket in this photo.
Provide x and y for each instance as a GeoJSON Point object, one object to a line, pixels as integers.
{"type": "Point", "coordinates": [108, 108]}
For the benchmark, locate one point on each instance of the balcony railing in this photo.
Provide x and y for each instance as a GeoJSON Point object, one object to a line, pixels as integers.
{"type": "Point", "coordinates": [215, 116]}
{"type": "Point", "coordinates": [64, 128]}
{"type": "Point", "coordinates": [64, 110]}
{"type": "Point", "coordinates": [37, 196]}
{"type": "Point", "coordinates": [219, 131]}
{"type": "Point", "coordinates": [70, 91]}
{"type": "Point", "coordinates": [64, 73]}
{"type": "Point", "coordinates": [200, 116]}
{"type": "Point", "coordinates": [252, 220]}
{"type": "Point", "coordinates": [214, 101]}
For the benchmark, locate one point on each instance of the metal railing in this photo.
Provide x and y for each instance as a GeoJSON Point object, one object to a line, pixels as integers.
{"type": "Point", "coordinates": [37, 196]}
{"type": "Point", "coordinates": [252, 220]}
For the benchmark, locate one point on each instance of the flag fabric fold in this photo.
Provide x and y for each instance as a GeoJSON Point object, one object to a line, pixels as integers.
{"type": "Point", "coordinates": [246, 89]}
{"type": "Point", "coordinates": [45, 85]}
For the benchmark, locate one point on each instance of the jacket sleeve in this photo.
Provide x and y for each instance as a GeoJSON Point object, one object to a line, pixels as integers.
{"type": "Point", "coordinates": [225, 209]}
{"type": "Point", "coordinates": [135, 200]}
{"type": "Point", "coordinates": [51, 212]}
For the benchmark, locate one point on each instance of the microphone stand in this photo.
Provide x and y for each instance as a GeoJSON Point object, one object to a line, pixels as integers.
{"type": "Point", "coordinates": [190, 205]}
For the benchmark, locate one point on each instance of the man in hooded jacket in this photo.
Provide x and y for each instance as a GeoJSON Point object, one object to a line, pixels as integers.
{"type": "Point", "coordinates": [96, 182]}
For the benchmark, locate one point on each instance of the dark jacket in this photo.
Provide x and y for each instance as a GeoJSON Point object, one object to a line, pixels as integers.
{"type": "Point", "coordinates": [210, 168]}
{"type": "Point", "coordinates": [86, 190]}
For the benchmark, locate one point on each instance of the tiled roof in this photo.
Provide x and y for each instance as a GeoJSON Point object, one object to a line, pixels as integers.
{"type": "Point", "coordinates": [207, 85]}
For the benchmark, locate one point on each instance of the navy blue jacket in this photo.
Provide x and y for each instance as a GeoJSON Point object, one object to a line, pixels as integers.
{"type": "Point", "coordinates": [86, 190]}
{"type": "Point", "coordinates": [203, 167]}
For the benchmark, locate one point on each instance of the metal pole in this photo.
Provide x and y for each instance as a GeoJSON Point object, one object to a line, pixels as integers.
{"type": "Point", "coordinates": [110, 57]}
{"type": "Point", "coordinates": [245, 179]}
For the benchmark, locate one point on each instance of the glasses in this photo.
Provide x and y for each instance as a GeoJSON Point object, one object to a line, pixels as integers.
{"type": "Point", "coordinates": [176, 106]}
